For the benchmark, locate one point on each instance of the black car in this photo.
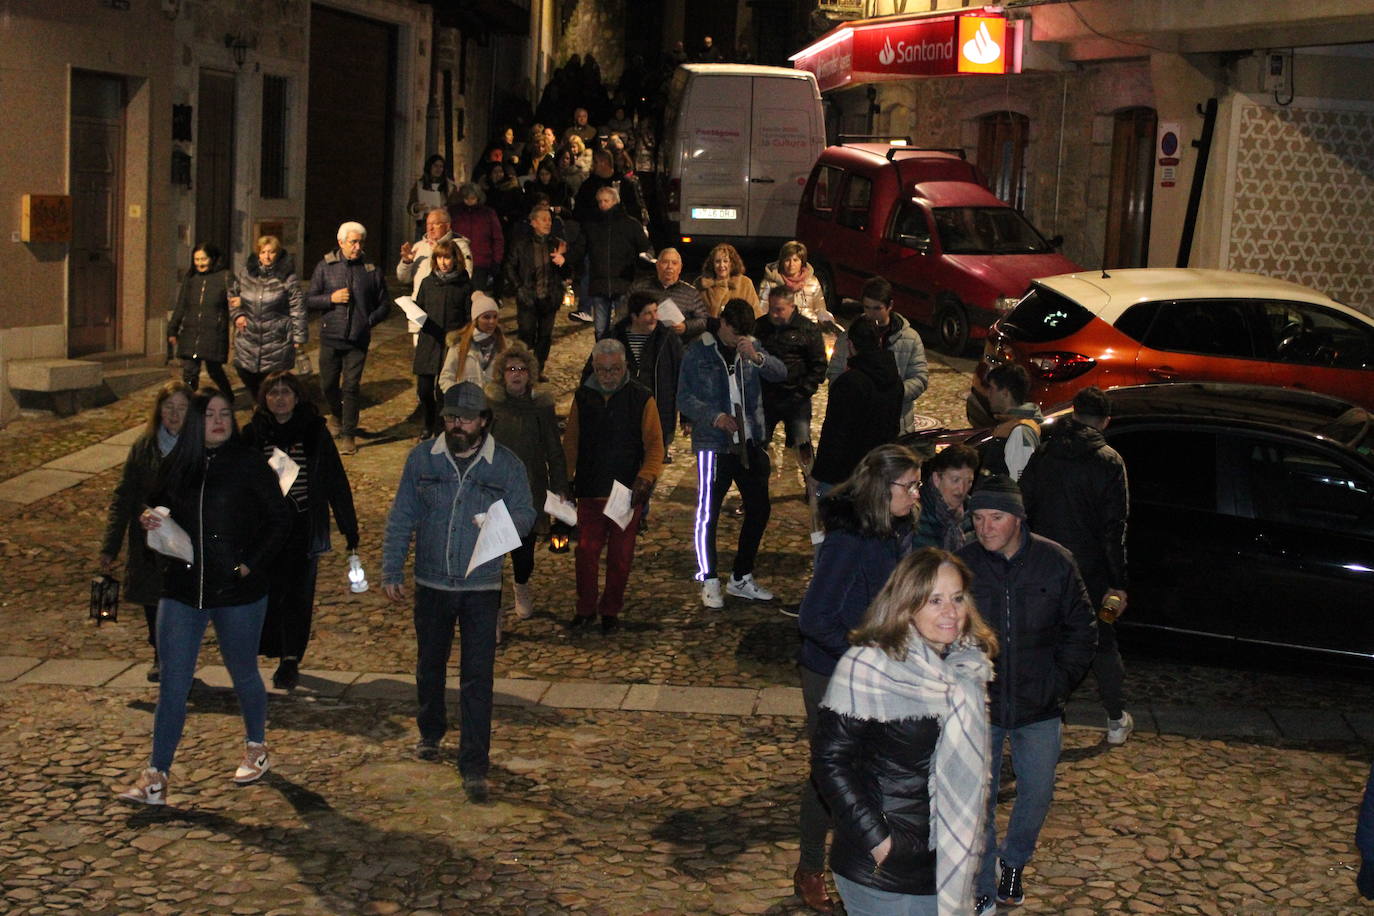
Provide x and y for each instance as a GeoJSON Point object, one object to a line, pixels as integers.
{"type": "Point", "coordinates": [1252, 513]}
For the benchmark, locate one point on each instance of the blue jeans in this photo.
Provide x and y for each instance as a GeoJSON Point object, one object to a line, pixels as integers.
{"type": "Point", "coordinates": [475, 613]}
{"type": "Point", "coordinates": [602, 309]}
{"type": "Point", "coordinates": [180, 630]}
{"type": "Point", "coordinates": [862, 900]}
{"type": "Point", "coordinates": [1034, 755]}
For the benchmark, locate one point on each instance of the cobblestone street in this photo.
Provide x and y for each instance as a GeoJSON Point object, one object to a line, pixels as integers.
{"type": "Point", "coordinates": [654, 771]}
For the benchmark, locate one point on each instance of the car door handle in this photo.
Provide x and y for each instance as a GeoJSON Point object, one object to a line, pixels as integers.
{"type": "Point", "coordinates": [760, 181]}
{"type": "Point", "coordinates": [1166, 373]}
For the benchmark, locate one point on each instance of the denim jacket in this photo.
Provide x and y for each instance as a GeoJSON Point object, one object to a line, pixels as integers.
{"type": "Point", "coordinates": [703, 392]}
{"type": "Point", "coordinates": [435, 504]}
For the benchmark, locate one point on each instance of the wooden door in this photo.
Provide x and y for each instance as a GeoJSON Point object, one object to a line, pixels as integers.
{"type": "Point", "coordinates": [1132, 184]}
{"type": "Point", "coordinates": [96, 183]}
{"type": "Point", "coordinates": [1002, 140]}
{"type": "Point", "coordinates": [215, 162]}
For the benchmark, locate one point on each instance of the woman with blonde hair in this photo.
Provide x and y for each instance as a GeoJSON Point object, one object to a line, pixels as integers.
{"type": "Point", "coordinates": [270, 322]}
{"type": "Point", "coordinates": [722, 279]}
{"type": "Point", "coordinates": [792, 272]}
{"type": "Point", "coordinates": [472, 350]}
{"type": "Point", "coordinates": [902, 744]}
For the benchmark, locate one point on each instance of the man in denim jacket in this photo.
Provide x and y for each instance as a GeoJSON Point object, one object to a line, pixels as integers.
{"type": "Point", "coordinates": [718, 393]}
{"type": "Point", "coordinates": [446, 484]}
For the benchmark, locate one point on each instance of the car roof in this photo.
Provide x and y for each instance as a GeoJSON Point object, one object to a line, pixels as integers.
{"type": "Point", "coordinates": [957, 194]}
{"type": "Point", "coordinates": [1108, 294]}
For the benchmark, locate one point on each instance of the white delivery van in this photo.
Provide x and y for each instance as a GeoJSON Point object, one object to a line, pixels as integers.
{"type": "Point", "coordinates": [738, 145]}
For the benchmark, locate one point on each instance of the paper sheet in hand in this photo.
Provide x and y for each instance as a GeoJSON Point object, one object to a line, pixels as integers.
{"type": "Point", "coordinates": [497, 538]}
{"type": "Point", "coordinates": [618, 508]}
{"type": "Point", "coordinates": [171, 539]}
{"type": "Point", "coordinates": [560, 508]}
{"type": "Point", "coordinates": [669, 313]}
{"type": "Point", "coordinates": [413, 311]}
{"type": "Point", "coordinates": [287, 470]}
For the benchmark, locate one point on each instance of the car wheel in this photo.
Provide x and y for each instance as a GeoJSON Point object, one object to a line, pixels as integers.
{"type": "Point", "coordinates": [951, 328]}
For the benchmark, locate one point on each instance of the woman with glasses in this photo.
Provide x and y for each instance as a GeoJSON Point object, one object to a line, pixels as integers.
{"type": "Point", "coordinates": [868, 525]}
{"type": "Point", "coordinates": [524, 421]}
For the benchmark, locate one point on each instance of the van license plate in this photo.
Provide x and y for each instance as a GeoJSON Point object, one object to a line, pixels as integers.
{"type": "Point", "coordinates": [714, 213]}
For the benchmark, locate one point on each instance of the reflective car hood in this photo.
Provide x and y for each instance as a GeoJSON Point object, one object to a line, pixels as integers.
{"type": "Point", "coordinates": [1010, 274]}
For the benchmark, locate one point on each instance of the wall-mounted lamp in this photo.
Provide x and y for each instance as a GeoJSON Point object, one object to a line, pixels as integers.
{"type": "Point", "coordinates": [239, 45]}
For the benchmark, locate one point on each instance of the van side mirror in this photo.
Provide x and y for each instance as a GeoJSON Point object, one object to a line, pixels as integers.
{"type": "Point", "coordinates": [917, 243]}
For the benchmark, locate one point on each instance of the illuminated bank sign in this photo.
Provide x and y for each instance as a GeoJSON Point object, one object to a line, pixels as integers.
{"type": "Point", "coordinates": [873, 51]}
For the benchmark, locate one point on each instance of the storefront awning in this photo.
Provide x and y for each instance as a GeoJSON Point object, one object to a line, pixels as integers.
{"type": "Point", "coordinates": [979, 40]}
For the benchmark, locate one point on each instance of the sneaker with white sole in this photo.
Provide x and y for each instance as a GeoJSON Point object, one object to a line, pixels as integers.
{"type": "Point", "coordinates": [256, 763]}
{"type": "Point", "coordinates": [150, 789]}
{"type": "Point", "coordinates": [746, 587]}
{"type": "Point", "coordinates": [1118, 730]}
{"type": "Point", "coordinates": [711, 596]}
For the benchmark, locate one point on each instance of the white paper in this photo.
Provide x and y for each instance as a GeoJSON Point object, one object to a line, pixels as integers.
{"type": "Point", "coordinates": [413, 312]}
{"type": "Point", "coordinates": [497, 538]}
{"type": "Point", "coordinates": [287, 469]}
{"type": "Point", "coordinates": [562, 509]}
{"type": "Point", "coordinates": [669, 313]}
{"type": "Point", "coordinates": [618, 508]}
{"type": "Point", "coordinates": [170, 539]}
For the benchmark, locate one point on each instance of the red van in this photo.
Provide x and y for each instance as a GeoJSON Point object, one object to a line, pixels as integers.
{"type": "Point", "coordinates": [956, 255]}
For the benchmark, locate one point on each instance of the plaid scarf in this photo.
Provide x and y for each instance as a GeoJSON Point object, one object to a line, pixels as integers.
{"type": "Point", "coordinates": [870, 684]}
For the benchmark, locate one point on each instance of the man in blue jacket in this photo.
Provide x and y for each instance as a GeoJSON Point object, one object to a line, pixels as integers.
{"type": "Point", "coordinates": [350, 292]}
{"type": "Point", "coordinates": [719, 392]}
{"type": "Point", "coordinates": [447, 484]}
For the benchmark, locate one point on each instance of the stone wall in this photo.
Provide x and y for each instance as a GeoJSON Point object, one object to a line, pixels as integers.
{"type": "Point", "coordinates": [596, 27]}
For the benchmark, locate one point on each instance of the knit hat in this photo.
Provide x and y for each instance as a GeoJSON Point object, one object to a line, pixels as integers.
{"type": "Point", "coordinates": [482, 303]}
{"type": "Point", "coordinates": [999, 492]}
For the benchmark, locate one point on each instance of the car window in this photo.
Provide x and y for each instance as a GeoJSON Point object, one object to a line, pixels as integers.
{"type": "Point", "coordinates": [1298, 485]}
{"type": "Point", "coordinates": [1135, 321]}
{"type": "Point", "coordinates": [910, 221]}
{"type": "Point", "coordinates": [822, 195]}
{"type": "Point", "coordinates": [987, 230]}
{"type": "Point", "coordinates": [1213, 327]}
{"type": "Point", "coordinates": [1169, 468]}
{"type": "Point", "coordinates": [1309, 335]}
{"type": "Point", "coordinates": [853, 210]}
{"type": "Point", "coordinates": [1044, 315]}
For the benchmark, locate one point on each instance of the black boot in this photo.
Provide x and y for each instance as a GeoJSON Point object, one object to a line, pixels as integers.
{"type": "Point", "coordinates": [287, 675]}
{"type": "Point", "coordinates": [154, 670]}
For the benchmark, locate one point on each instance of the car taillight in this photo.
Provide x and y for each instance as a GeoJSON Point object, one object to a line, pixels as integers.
{"type": "Point", "coordinates": [1059, 367]}
{"type": "Point", "coordinates": [674, 195]}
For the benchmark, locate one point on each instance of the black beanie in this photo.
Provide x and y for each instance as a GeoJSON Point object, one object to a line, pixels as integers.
{"type": "Point", "coordinates": [997, 491]}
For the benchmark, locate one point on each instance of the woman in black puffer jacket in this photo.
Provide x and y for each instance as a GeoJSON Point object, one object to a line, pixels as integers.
{"type": "Point", "coordinates": [270, 323]}
{"type": "Point", "coordinates": [901, 746]}
{"type": "Point", "coordinates": [228, 501]}
{"type": "Point", "coordinates": [199, 329]}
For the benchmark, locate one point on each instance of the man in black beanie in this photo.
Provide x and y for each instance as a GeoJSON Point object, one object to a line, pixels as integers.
{"type": "Point", "coordinates": [1028, 589]}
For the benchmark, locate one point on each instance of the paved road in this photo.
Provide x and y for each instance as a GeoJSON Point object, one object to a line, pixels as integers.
{"type": "Point", "coordinates": [654, 772]}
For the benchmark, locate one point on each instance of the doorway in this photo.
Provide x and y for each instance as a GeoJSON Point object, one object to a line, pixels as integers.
{"type": "Point", "coordinates": [349, 164]}
{"type": "Point", "coordinates": [215, 162]}
{"type": "Point", "coordinates": [96, 181]}
{"type": "Point", "coordinates": [1132, 187]}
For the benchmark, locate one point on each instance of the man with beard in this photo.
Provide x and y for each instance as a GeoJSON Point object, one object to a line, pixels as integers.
{"type": "Point", "coordinates": [447, 487]}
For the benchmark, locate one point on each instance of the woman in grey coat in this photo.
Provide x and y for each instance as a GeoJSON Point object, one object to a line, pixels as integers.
{"type": "Point", "coordinates": [269, 315]}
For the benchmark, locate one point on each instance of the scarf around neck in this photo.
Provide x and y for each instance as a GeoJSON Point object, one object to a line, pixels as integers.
{"type": "Point", "coordinates": [870, 684]}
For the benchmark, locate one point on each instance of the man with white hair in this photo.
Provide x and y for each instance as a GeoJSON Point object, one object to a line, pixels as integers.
{"type": "Point", "coordinates": [350, 294]}
{"type": "Point", "coordinates": [614, 241]}
{"type": "Point", "coordinates": [667, 283]}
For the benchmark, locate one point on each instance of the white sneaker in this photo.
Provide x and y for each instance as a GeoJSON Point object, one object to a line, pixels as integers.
{"type": "Point", "coordinates": [748, 588]}
{"type": "Point", "coordinates": [710, 594]}
{"type": "Point", "coordinates": [151, 789]}
{"type": "Point", "coordinates": [1118, 730]}
{"type": "Point", "coordinates": [255, 764]}
{"type": "Point", "coordinates": [524, 601]}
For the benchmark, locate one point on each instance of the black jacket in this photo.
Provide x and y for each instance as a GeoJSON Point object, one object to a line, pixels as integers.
{"type": "Point", "coordinates": [448, 303]}
{"type": "Point", "coordinates": [656, 368]}
{"type": "Point", "coordinates": [347, 323]}
{"type": "Point", "coordinates": [863, 411]}
{"type": "Point", "coordinates": [200, 321]}
{"type": "Point", "coordinates": [235, 515]}
{"type": "Point", "coordinates": [610, 440]}
{"type": "Point", "coordinates": [613, 242]}
{"type": "Point", "coordinates": [875, 778]}
{"type": "Point", "coordinates": [521, 263]}
{"type": "Point", "coordinates": [802, 350]}
{"type": "Point", "coordinates": [1075, 491]}
{"type": "Point", "coordinates": [1046, 628]}
{"type": "Point", "coordinates": [326, 482]}
{"type": "Point", "coordinates": [585, 208]}
{"type": "Point", "coordinates": [143, 577]}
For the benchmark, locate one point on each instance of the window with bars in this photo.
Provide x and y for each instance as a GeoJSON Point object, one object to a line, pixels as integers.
{"type": "Point", "coordinates": [1002, 140]}
{"type": "Point", "coordinates": [273, 179]}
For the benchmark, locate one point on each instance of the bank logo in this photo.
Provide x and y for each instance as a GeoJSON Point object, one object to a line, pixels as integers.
{"type": "Point", "coordinates": [886, 56]}
{"type": "Point", "coordinates": [980, 49]}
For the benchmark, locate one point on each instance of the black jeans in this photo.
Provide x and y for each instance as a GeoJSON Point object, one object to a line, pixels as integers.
{"type": "Point", "coordinates": [814, 820]}
{"type": "Point", "coordinates": [291, 594]}
{"type": "Point", "coordinates": [341, 375]}
{"type": "Point", "coordinates": [535, 323]}
{"type": "Point", "coordinates": [251, 380]}
{"type": "Point", "coordinates": [190, 374]}
{"type": "Point", "coordinates": [475, 614]}
{"type": "Point", "coordinates": [715, 472]}
{"type": "Point", "coordinates": [429, 402]}
{"type": "Point", "coordinates": [522, 559]}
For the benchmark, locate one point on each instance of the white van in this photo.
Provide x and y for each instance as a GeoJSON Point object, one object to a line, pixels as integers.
{"type": "Point", "coordinates": [738, 144]}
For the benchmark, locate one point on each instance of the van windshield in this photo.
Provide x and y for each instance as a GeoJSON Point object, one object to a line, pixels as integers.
{"type": "Point", "coordinates": [987, 230]}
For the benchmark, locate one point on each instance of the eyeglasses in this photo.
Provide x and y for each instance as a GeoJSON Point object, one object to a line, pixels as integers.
{"type": "Point", "coordinates": [913, 489]}
{"type": "Point", "coordinates": [518, 370]}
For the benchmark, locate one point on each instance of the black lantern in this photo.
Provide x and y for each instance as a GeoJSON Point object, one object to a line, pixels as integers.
{"type": "Point", "coordinates": [104, 599]}
{"type": "Point", "coordinates": [558, 537]}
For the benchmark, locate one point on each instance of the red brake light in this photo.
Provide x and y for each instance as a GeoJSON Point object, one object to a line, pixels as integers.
{"type": "Point", "coordinates": [1059, 367]}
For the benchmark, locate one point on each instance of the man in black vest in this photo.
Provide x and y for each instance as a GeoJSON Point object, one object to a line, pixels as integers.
{"type": "Point", "coordinates": [613, 436]}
